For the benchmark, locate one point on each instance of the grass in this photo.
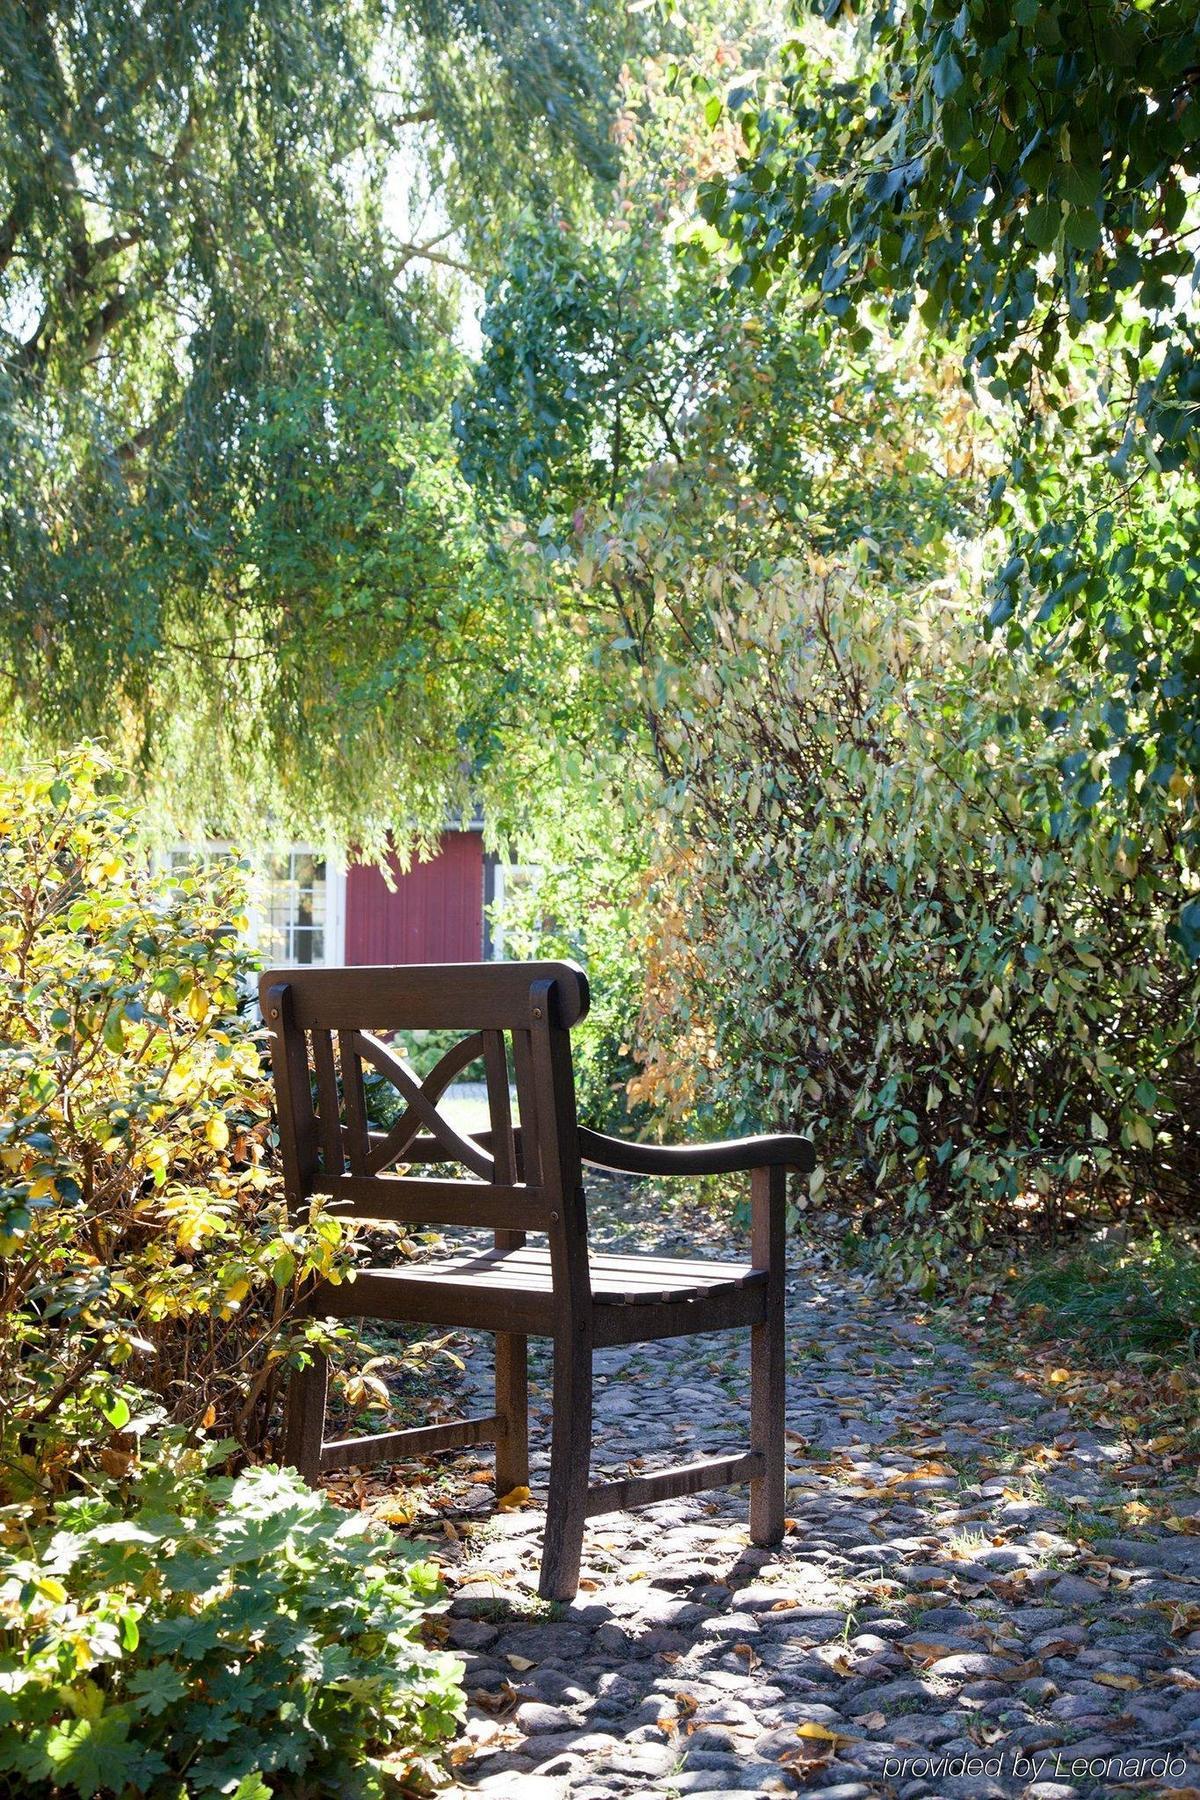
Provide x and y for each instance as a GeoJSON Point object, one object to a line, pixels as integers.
{"type": "Point", "coordinates": [1116, 1299]}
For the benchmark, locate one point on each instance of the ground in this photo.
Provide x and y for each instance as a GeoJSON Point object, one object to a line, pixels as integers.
{"type": "Point", "coordinates": [978, 1594]}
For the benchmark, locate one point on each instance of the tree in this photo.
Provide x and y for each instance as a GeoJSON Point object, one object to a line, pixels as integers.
{"type": "Point", "coordinates": [1024, 176]}
{"type": "Point", "coordinates": [232, 535]}
{"type": "Point", "coordinates": [663, 437]}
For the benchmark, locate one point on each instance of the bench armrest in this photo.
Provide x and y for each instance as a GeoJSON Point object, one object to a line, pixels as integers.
{"type": "Point", "coordinates": [779, 1151]}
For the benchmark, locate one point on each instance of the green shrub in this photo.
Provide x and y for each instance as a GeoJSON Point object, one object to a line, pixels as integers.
{"type": "Point", "coordinates": [144, 1243]}
{"type": "Point", "coordinates": [161, 1633]}
{"type": "Point", "coordinates": [885, 926]}
{"type": "Point", "coordinates": [240, 1637]}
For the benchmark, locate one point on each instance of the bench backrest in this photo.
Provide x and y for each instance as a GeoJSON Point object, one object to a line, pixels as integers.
{"type": "Point", "coordinates": [326, 1026]}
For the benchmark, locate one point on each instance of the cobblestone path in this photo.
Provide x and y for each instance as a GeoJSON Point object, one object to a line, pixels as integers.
{"type": "Point", "coordinates": [965, 1603]}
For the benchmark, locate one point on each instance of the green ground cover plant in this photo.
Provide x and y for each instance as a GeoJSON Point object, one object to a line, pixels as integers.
{"type": "Point", "coordinates": [237, 1636]}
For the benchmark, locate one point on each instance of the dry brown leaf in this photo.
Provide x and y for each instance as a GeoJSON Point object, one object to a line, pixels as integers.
{"type": "Point", "coordinates": [520, 1663]}
{"type": "Point", "coordinates": [1128, 1684]}
{"type": "Point", "coordinates": [1190, 1526]}
{"type": "Point", "coordinates": [495, 1700]}
{"type": "Point", "coordinates": [1024, 1671]}
{"type": "Point", "coordinates": [923, 1652]}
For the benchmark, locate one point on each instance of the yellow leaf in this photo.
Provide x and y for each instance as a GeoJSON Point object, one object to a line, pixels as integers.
{"type": "Point", "coordinates": [515, 1497]}
{"type": "Point", "coordinates": [1128, 1684]}
{"type": "Point", "coordinates": [1056, 1377]}
{"type": "Point", "coordinates": [217, 1132]}
{"type": "Point", "coordinates": [197, 1005]}
{"type": "Point", "coordinates": [822, 1734]}
{"type": "Point", "coordinates": [1190, 1526]}
{"type": "Point", "coordinates": [397, 1511]}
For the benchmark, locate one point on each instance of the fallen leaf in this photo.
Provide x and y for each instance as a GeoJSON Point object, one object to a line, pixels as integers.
{"type": "Point", "coordinates": [515, 1498]}
{"type": "Point", "coordinates": [401, 1510]}
{"type": "Point", "coordinates": [1127, 1683]}
{"type": "Point", "coordinates": [870, 1721]}
{"type": "Point", "coordinates": [822, 1734]}
{"type": "Point", "coordinates": [520, 1663]}
{"type": "Point", "coordinates": [495, 1700]}
{"type": "Point", "coordinates": [1190, 1526]}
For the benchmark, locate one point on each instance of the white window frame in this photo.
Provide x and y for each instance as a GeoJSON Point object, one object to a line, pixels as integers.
{"type": "Point", "coordinates": [501, 880]}
{"type": "Point", "coordinates": [256, 908]}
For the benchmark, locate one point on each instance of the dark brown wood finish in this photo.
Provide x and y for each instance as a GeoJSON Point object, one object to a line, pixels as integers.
{"type": "Point", "coordinates": [510, 1180]}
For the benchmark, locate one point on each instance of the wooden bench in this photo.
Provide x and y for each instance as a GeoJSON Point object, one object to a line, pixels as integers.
{"type": "Point", "coordinates": [513, 1180]}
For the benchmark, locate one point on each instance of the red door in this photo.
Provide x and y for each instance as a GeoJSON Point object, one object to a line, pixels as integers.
{"type": "Point", "coordinates": [433, 914]}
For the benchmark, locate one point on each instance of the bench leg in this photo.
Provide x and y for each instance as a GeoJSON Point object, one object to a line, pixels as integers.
{"type": "Point", "coordinates": [512, 1407]}
{"type": "Point", "coordinates": [308, 1390]}
{"type": "Point", "coordinates": [768, 1372]}
{"type": "Point", "coordinates": [570, 1459]}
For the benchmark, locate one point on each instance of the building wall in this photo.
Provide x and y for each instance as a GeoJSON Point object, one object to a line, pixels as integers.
{"type": "Point", "coordinates": [434, 913]}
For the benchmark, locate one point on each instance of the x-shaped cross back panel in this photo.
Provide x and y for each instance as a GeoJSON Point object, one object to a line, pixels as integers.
{"type": "Point", "coordinates": [421, 1113]}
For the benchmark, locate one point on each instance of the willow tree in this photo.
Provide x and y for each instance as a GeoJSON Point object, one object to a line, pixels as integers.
{"type": "Point", "coordinates": [231, 530]}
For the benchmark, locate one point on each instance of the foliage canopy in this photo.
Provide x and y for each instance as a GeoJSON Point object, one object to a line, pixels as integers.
{"type": "Point", "coordinates": [233, 239]}
{"type": "Point", "coordinates": [1024, 176]}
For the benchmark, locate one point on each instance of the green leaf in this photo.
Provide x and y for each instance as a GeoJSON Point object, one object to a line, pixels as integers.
{"type": "Point", "coordinates": [158, 1687]}
{"type": "Point", "coordinates": [116, 1411]}
{"type": "Point", "coordinates": [92, 1756]}
{"type": "Point", "coordinates": [1041, 224]}
{"type": "Point", "coordinates": [947, 76]}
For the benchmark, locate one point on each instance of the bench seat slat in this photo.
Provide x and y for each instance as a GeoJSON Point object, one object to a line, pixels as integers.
{"type": "Point", "coordinates": [616, 1280]}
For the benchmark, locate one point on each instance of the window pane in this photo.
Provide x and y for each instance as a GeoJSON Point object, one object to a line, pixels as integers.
{"type": "Point", "coordinates": [295, 908]}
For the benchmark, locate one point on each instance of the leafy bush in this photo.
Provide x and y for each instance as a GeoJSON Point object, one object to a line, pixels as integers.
{"type": "Point", "coordinates": [143, 1240]}
{"type": "Point", "coordinates": [887, 927]}
{"type": "Point", "coordinates": [240, 1637]}
{"type": "Point", "coordinates": [162, 1632]}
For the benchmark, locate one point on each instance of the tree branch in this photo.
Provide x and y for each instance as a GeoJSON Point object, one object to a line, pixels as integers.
{"type": "Point", "coordinates": [427, 252]}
